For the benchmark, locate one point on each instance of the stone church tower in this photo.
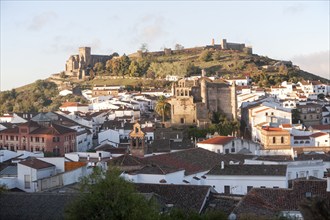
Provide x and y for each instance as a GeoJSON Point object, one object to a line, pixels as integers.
{"type": "Point", "coordinates": [137, 145]}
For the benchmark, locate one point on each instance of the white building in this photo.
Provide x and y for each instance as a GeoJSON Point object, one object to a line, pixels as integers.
{"type": "Point", "coordinates": [239, 179]}
{"type": "Point", "coordinates": [29, 171]}
{"type": "Point", "coordinates": [228, 144]}
{"type": "Point", "coordinates": [74, 107]}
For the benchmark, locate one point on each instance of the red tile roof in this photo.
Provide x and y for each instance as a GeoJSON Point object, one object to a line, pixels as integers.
{"type": "Point", "coordinates": [220, 140]}
{"type": "Point", "coordinates": [321, 127]}
{"type": "Point", "coordinates": [267, 128]}
{"type": "Point", "coordinates": [72, 104]}
{"type": "Point", "coordinates": [318, 134]}
{"type": "Point", "coordinates": [267, 203]}
{"type": "Point", "coordinates": [287, 125]}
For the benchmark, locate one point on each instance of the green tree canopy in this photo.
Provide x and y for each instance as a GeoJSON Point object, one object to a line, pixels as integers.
{"type": "Point", "coordinates": [162, 107]}
{"type": "Point", "coordinates": [108, 196]}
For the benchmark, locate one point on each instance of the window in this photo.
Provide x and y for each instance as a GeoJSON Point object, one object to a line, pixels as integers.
{"type": "Point", "coordinates": [42, 139]}
{"type": "Point", "coordinates": [282, 140]}
{"type": "Point", "coordinates": [296, 142]}
{"type": "Point", "coordinates": [274, 140]}
{"type": "Point", "coordinates": [276, 187]}
{"type": "Point", "coordinates": [266, 113]}
{"type": "Point", "coordinates": [232, 150]}
{"type": "Point", "coordinates": [11, 137]}
{"type": "Point", "coordinates": [227, 151]}
{"type": "Point", "coordinates": [263, 187]}
{"type": "Point", "coordinates": [249, 188]}
{"type": "Point", "coordinates": [27, 182]}
{"type": "Point", "coordinates": [182, 120]}
{"type": "Point", "coordinates": [301, 174]}
{"type": "Point", "coordinates": [37, 139]}
{"type": "Point", "coordinates": [227, 189]}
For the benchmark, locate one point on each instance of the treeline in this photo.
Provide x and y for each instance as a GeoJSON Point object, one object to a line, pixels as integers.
{"type": "Point", "coordinates": [146, 66]}
{"type": "Point", "coordinates": [41, 96]}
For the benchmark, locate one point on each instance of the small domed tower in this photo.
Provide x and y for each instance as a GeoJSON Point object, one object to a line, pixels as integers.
{"type": "Point", "coordinates": [137, 144]}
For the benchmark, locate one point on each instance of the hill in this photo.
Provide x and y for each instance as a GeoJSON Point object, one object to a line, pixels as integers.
{"type": "Point", "coordinates": [148, 69]}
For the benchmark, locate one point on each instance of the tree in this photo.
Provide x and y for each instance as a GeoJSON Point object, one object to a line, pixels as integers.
{"type": "Point", "coordinates": [108, 196]}
{"type": "Point", "coordinates": [315, 209]}
{"type": "Point", "coordinates": [178, 47]}
{"type": "Point", "coordinates": [206, 56]}
{"type": "Point", "coordinates": [144, 48]}
{"type": "Point", "coordinates": [162, 107]}
{"type": "Point", "coordinates": [62, 75]}
{"type": "Point", "coordinates": [124, 63]}
{"type": "Point", "coordinates": [98, 67]}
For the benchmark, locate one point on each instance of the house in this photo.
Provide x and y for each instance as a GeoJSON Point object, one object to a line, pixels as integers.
{"type": "Point", "coordinates": [310, 114]}
{"type": "Point", "coordinates": [228, 144]}
{"type": "Point", "coordinates": [65, 92]}
{"type": "Point", "coordinates": [32, 136]}
{"type": "Point", "coordinates": [274, 138]}
{"type": "Point", "coordinates": [30, 170]}
{"type": "Point", "coordinates": [270, 203]}
{"type": "Point", "coordinates": [74, 107]}
{"type": "Point", "coordinates": [100, 90]}
{"type": "Point", "coordinates": [240, 179]}
{"type": "Point", "coordinates": [152, 173]}
{"type": "Point", "coordinates": [320, 128]}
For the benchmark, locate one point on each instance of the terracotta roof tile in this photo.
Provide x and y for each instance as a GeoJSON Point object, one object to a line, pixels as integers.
{"type": "Point", "coordinates": [269, 202]}
{"type": "Point", "coordinates": [318, 134]}
{"type": "Point", "coordinates": [218, 140]}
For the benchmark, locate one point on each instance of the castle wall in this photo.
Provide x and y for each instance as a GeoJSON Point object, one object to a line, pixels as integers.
{"type": "Point", "coordinates": [219, 99]}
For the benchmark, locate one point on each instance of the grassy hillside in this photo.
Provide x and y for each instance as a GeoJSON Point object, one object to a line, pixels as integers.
{"type": "Point", "coordinates": [138, 71]}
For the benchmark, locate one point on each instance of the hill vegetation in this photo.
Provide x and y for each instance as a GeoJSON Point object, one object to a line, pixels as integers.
{"type": "Point", "coordinates": [148, 70]}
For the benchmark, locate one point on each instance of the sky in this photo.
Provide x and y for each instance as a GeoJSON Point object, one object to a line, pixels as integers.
{"type": "Point", "coordinates": [37, 37]}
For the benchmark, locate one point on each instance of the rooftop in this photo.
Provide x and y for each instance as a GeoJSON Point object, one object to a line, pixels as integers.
{"type": "Point", "coordinates": [36, 164]}
{"type": "Point", "coordinates": [251, 170]}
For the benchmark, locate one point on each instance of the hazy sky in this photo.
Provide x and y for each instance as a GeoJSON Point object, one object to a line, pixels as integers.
{"type": "Point", "coordinates": [38, 37]}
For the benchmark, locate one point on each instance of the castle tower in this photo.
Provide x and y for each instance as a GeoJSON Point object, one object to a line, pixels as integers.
{"type": "Point", "coordinates": [233, 100]}
{"type": "Point", "coordinates": [204, 91]}
{"type": "Point", "coordinates": [85, 55]}
{"type": "Point", "coordinates": [212, 43]}
{"type": "Point", "coordinates": [137, 144]}
{"type": "Point", "coordinates": [173, 89]}
{"type": "Point", "coordinates": [224, 44]}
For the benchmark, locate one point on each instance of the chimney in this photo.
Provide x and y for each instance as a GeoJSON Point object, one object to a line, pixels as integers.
{"type": "Point", "coordinates": [307, 175]}
{"type": "Point", "coordinates": [100, 155]}
{"type": "Point", "coordinates": [87, 157]}
{"type": "Point", "coordinates": [203, 72]}
{"type": "Point", "coordinates": [222, 165]}
{"type": "Point", "coordinates": [328, 181]}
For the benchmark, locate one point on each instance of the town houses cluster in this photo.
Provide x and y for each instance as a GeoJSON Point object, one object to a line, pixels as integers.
{"type": "Point", "coordinates": [280, 156]}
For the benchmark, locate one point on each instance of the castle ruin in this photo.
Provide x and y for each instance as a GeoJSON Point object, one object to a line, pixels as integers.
{"type": "Point", "coordinates": [81, 64]}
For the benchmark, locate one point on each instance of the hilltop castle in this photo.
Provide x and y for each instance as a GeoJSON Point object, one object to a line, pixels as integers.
{"type": "Point", "coordinates": [80, 65]}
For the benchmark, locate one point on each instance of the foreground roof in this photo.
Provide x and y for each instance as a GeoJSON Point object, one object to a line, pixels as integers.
{"type": "Point", "coordinates": [268, 202]}
{"type": "Point", "coordinates": [186, 197]}
{"type": "Point", "coordinates": [34, 205]}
